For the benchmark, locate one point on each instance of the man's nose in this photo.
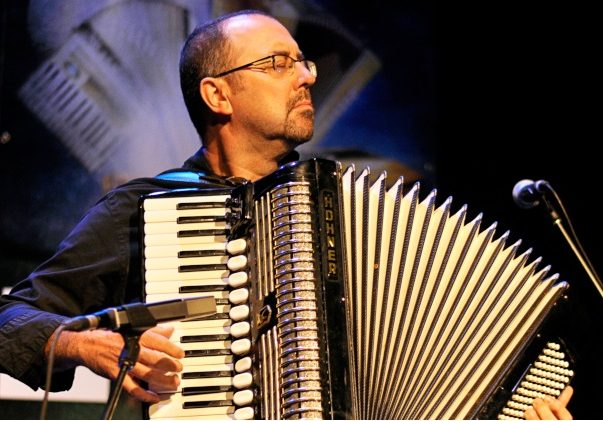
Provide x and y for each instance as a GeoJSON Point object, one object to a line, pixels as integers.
{"type": "Point", "coordinates": [304, 75]}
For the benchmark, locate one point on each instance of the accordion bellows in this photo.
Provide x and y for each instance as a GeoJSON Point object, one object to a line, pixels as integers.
{"type": "Point", "coordinates": [370, 302]}
{"type": "Point", "coordinates": [435, 300]}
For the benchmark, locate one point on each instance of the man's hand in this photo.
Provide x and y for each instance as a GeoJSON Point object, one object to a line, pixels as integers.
{"type": "Point", "coordinates": [99, 350]}
{"type": "Point", "coordinates": [548, 408]}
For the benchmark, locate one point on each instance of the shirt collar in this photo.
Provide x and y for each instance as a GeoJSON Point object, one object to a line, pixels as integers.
{"type": "Point", "coordinates": [198, 162]}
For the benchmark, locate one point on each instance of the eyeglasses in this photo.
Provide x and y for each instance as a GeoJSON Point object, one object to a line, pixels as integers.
{"type": "Point", "coordinates": [279, 63]}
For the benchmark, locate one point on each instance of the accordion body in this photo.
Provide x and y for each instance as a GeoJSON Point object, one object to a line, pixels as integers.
{"type": "Point", "coordinates": [341, 297]}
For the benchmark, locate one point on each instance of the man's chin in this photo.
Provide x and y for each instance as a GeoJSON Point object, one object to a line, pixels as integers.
{"type": "Point", "coordinates": [301, 133]}
{"type": "Point", "coordinates": [295, 141]}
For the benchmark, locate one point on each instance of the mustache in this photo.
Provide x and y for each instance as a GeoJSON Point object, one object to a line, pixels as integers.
{"type": "Point", "coordinates": [303, 95]}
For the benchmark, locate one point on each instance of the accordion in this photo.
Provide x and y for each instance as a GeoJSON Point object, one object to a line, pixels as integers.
{"type": "Point", "coordinates": [341, 297]}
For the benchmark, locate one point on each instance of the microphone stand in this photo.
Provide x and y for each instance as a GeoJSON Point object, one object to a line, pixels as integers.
{"type": "Point", "coordinates": [127, 359]}
{"type": "Point", "coordinates": [141, 320]}
{"type": "Point", "coordinates": [574, 245]}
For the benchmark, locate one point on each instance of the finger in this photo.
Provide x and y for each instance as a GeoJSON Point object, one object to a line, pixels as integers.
{"type": "Point", "coordinates": [530, 414]}
{"type": "Point", "coordinates": [159, 360]}
{"type": "Point", "coordinates": [154, 340]}
{"type": "Point", "coordinates": [542, 409]}
{"type": "Point", "coordinates": [163, 329]}
{"type": "Point", "coordinates": [155, 379]}
{"type": "Point", "coordinates": [558, 408]}
{"type": "Point", "coordinates": [566, 395]}
{"type": "Point", "coordinates": [138, 392]}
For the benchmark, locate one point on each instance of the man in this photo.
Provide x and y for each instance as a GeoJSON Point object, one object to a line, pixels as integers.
{"type": "Point", "coordinates": [247, 86]}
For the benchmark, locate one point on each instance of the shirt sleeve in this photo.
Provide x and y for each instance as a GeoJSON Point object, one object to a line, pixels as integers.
{"type": "Point", "coordinates": [88, 272]}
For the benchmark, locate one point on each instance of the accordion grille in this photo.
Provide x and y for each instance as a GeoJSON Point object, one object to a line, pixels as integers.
{"type": "Point", "coordinates": [286, 266]}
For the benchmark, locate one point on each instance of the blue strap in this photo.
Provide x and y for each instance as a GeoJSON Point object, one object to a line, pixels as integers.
{"type": "Point", "coordinates": [185, 176]}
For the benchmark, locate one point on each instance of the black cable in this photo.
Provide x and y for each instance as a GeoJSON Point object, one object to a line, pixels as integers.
{"type": "Point", "coordinates": [49, 368]}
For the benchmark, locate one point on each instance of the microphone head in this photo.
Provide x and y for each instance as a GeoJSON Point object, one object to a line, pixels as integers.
{"type": "Point", "coordinates": [80, 323]}
{"type": "Point", "coordinates": [525, 194]}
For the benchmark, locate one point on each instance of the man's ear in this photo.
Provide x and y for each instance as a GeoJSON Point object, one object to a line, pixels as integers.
{"type": "Point", "coordinates": [215, 93]}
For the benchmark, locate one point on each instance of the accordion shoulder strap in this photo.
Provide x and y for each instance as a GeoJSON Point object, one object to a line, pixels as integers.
{"type": "Point", "coordinates": [183, 176]}
{"type": "Point", "coordinates": [200, 177]}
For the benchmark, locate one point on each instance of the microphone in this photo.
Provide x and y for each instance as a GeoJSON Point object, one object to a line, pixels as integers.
{"type": "Point", "coordinates": [527, 193]}
{"type": "Point", "coordinates": [142, 316]}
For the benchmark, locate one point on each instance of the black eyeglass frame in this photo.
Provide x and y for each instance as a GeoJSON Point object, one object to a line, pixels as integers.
{"type": "Point", "coordinates": [310, 65]}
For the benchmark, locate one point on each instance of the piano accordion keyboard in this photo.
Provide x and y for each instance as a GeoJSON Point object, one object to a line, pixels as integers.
{"type": "Point", "coordinates": [186, 254]}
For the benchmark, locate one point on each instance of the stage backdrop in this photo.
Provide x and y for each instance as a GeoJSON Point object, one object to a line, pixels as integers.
{"type": "Point", "coordinates": [466, 98]}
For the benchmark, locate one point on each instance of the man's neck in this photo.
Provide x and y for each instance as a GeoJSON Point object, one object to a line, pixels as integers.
{"type": "Point", "coordinates": [251, 166]}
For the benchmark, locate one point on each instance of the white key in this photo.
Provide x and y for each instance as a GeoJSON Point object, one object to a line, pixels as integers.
{"type": "Point", "coordinates": [153, 298]}
{"type": "Point", "coordinates": [172, 227]}
{"type": "Point", "coordinates": [222, 329]}
{"type": "Point", "coordinates": [245, 413]}
{"type": "Point", "coordinates": [239, 313]}
{"type": "Point", "coordinates": [240, 346]}
{"type": "Point", "coordinates": [199, 382]}
{"type": "Point", "coordinates": [187, 346]}
{"type": "Point", "coordinates": [237, 246]}
{"type": "Point", "coordinates": [158, 203]}
{"type": "Point", "coordinates": [244, 364]}
{"type": "Point", "coordinates": [176, 262]}
{"type": "Point", "coordinates": [237, 262]}
{"type": "Point", "coordinates": [172, 215]}
{"type": "Point", "coordinates": [213, 417]}
{"type": "Point", "coordinates": [243, 397]}
{"type": "Point", "coordinates": [171, 406]}
{"type": "Point", "coordinates": [174, 286]}
{"type": "Point", "coordinates": [172, 238]}
{"type": "Point", "coordinates": [238, 296]}
{"type": "Point", "coordinates": [169, 228]}
{"type": "Point", "coordinates": [238, 279]}
{"type": "Point", "coordinates": [240, 329]}
{"type": "Point", "coordinates": [212, 360]}
{"type": "Point", "coordinates": [169, 275]}
{"type": "Point", "coordinates": [187, 326]}
{"type": "Point", "coordinates": [243, 380]}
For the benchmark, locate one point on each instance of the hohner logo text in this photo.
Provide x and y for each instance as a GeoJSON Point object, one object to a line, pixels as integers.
{"type": "Point", "coordinates": [329, 226]}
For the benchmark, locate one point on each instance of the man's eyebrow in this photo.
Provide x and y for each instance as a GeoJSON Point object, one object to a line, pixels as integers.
{"type": "Point", "coordinates": [299, 55]}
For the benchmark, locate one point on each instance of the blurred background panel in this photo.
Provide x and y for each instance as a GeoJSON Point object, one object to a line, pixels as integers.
{"type": "Point", "coordinates": [468, 98]}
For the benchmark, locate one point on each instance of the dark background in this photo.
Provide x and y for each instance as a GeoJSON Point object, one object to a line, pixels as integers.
{"type": "Point", "coordinates": [489, 92]}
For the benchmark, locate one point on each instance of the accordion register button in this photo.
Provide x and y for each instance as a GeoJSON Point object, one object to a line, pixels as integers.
{"type": "Point", "coordinates": [243, 397]}
{"type": "Point", "coordinates": [240, 346]}
{"type": "Point", "coordinates": [240, 329]}
{"type": "Point", "coordinates": [239, 313]}
{"type": "Point", "coordinates": [237, 262]}
{"type": "Point", "coordinates": [244, 413]}
{"type": "Point", "coordinates": [243, 380]}
{"type": "Point", "coordinates": [237, 279]}
{"type": "Point", "coordinates": [237, 246]}
{"type": "Point", "coordinates": [238, 296]}
{"type": "Point", "coordinates": [244, 364]}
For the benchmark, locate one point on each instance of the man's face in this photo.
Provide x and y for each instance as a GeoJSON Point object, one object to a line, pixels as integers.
{"type": "Point", "coordinates": [270, 105]}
